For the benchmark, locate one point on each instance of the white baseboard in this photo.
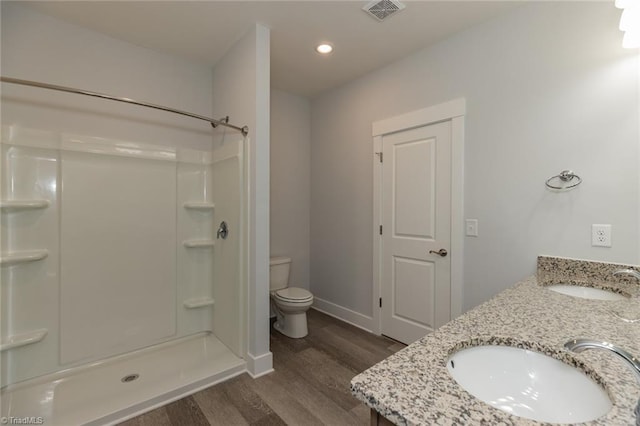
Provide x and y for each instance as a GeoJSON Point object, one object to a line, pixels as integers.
{"type": "Point", "coordinates": [344, 314]}
{"type": "Point", "coordinates": [259, 365]}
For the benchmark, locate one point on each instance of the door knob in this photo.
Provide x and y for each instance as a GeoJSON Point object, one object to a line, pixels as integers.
{"type": "Point", "coordinates": [441, 252]}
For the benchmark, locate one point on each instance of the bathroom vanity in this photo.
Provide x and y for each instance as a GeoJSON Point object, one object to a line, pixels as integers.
{"type": "Point", "coordinates": [415, 387]}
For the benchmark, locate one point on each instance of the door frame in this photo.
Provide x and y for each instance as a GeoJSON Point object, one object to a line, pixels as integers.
{"type": "Point", "coordinates": [453, 111]}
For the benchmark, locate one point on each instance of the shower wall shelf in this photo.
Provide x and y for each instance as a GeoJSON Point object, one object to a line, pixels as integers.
{"type": "Point", "coordinates": [17, 257]}
{"type": "Point", "coordinates": [200, 302]}
{"type": "Point", "coordinates": [18, 205]}
{"type": "Point", "coordinates": [23, 339]}
{"type": "Point", "coordinates": [199, 243]}
{"type": "Point", "coordinates": [199, 206]}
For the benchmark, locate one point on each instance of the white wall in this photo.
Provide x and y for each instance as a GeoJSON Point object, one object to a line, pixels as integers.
{"type": "Point", "coordinates": [548, 88]}
{"type": "Point", "coordinates": [41, 48]}
{"type": "Point", "coordinates": [290, 166]}
{"type": "Point", "coordinates": [241, 89]}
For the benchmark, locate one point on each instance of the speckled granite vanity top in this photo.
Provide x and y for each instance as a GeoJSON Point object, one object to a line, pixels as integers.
{"type": "Point", "coordinates": [413, 386]}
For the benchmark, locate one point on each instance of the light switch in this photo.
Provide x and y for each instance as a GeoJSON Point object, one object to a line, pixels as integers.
{"type": "Point", "coordinates": [471, 227]}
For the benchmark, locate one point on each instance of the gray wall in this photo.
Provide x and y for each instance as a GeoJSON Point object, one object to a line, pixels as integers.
{"type": "Point", "coordinates": [548, 87]}
{"type": "Point", "coordinates": [290, 182]}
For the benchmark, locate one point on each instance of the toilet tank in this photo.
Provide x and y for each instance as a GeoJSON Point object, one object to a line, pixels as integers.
{"type": "Point", "coordinates": [279, 272]}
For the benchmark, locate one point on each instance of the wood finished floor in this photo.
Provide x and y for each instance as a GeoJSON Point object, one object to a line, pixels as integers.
{"type": "Point", "coordinates": [310, 384]}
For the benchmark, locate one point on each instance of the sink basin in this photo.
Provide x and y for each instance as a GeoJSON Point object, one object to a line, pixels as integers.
{"type": "Point", "coordinates": [586, 292]}
{"type": "Point", "coordinates": [528, 384]}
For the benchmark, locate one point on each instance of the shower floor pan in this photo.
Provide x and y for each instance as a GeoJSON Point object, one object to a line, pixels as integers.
{"type": "Point", "coordinates": [119, 388]}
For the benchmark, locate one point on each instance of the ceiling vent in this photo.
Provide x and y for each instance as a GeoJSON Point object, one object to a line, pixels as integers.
{"type": "Point", "coordinates": [382, 9]}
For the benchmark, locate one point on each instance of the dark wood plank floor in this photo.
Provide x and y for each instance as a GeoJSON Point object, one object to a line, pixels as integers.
{"type": "Point", "coordinates": [310, 384]}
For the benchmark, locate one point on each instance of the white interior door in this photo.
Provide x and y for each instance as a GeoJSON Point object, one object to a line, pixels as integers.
{"type": "Point", "coordinates": [416, 219]}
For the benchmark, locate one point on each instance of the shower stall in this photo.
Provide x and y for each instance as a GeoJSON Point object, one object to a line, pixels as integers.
{"type": "Point", "coordinates": [122, 282]}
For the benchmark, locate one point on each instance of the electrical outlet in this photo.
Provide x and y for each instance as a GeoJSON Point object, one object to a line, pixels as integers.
{"type": "Point", "coordinates": [471, 226]}
{"type": "Point", "coordinates": [601, 235]}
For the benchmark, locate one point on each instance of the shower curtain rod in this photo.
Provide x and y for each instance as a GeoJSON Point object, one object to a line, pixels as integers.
{"type": "Point", "coordinates": [215, 123]}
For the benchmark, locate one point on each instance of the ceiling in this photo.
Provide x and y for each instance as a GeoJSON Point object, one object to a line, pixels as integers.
{"type": "Point", "coordinates": [202, 31]}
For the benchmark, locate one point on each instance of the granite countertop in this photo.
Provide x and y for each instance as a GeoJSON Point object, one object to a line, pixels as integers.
{"type": "Point", "coordinates": [413, 386]}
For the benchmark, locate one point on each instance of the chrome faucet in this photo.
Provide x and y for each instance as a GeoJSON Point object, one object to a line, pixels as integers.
{"type": "Point", "coordinates": [579, 345]}
{"type": "Point", "coordinates": [632, 273]}
{"type": "Point", "coordinates": [629, 272]}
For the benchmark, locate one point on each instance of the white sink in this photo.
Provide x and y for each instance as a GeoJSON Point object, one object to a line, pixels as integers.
{"type": "Point", "coordinates": [528, 384]}
{"type": "Point", "coordinates": [586, 292]}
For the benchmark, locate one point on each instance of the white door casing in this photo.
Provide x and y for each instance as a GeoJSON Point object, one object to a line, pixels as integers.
{"type": "Point", "coordinates": [419, 291]}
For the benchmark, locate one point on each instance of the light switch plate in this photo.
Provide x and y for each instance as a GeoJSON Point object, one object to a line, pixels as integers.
{"type": "Point", "coordinates": [471, 227]}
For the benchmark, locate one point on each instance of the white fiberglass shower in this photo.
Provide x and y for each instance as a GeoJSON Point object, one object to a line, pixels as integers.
{"type": "Point", "coordinates": [121, 268]}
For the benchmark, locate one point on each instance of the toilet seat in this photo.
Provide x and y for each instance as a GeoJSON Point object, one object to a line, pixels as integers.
{"type": "Point", "coordinates": [294, 295]}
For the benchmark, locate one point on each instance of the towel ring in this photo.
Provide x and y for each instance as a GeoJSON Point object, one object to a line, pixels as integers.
{"type": "Point", "coordinates": [565, 176]}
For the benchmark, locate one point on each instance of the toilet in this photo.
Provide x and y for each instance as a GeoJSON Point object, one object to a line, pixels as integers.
{"type": "Point", "coordinates": [290, 303]}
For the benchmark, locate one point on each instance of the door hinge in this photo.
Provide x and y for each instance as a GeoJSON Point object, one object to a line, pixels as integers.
{"type": "Point", "coordinates": [379, 154]}
{"type": "Point", "coordinates": [380, 302]}
{"type": "Point", "coordinates": [380, 229]}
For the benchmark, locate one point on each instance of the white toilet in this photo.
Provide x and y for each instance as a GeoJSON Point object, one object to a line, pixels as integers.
{"type": "Point", "coordinates": [290, 303]}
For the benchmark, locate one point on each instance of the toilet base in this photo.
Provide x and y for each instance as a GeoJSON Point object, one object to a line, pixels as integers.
{"type": "Point", "coordinates": [292, 325]}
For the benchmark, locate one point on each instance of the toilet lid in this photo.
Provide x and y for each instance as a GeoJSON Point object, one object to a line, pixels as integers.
{"type": "Point", "coordinates": [294, 294]}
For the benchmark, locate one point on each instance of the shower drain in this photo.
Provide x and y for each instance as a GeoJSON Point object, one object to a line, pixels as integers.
{"type": "Point", "coordinates": [129, 378]}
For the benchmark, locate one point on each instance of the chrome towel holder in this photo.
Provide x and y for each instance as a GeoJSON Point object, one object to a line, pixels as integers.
{"type": "Point", "coordinates": [565, 179]}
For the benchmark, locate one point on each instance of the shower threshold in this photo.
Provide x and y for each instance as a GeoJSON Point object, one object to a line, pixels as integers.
{"type": "Point", "coordinates": [124, 386]}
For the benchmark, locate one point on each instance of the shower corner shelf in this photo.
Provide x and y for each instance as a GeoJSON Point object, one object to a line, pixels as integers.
{"type": "Point", "coordinates": [199, 243]}
{"type": "Point", "coordinates": [17, 257]}
{"type": "Point", "coordinates": [199, 302]}
{"type": "Point", "coordinates": [19, 205]}
{"type": "Point", "coordinates": [23, 339]}
{"type": "Point", "coordinates": [199, 205]}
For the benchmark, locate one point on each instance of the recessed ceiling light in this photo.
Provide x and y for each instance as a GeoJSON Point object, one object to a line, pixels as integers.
{"type": "Point", "coordinates": [324, 48]}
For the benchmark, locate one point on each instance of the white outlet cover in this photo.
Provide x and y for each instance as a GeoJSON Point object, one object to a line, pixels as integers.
{"type": "Point", "coordinates": [601, 235]}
